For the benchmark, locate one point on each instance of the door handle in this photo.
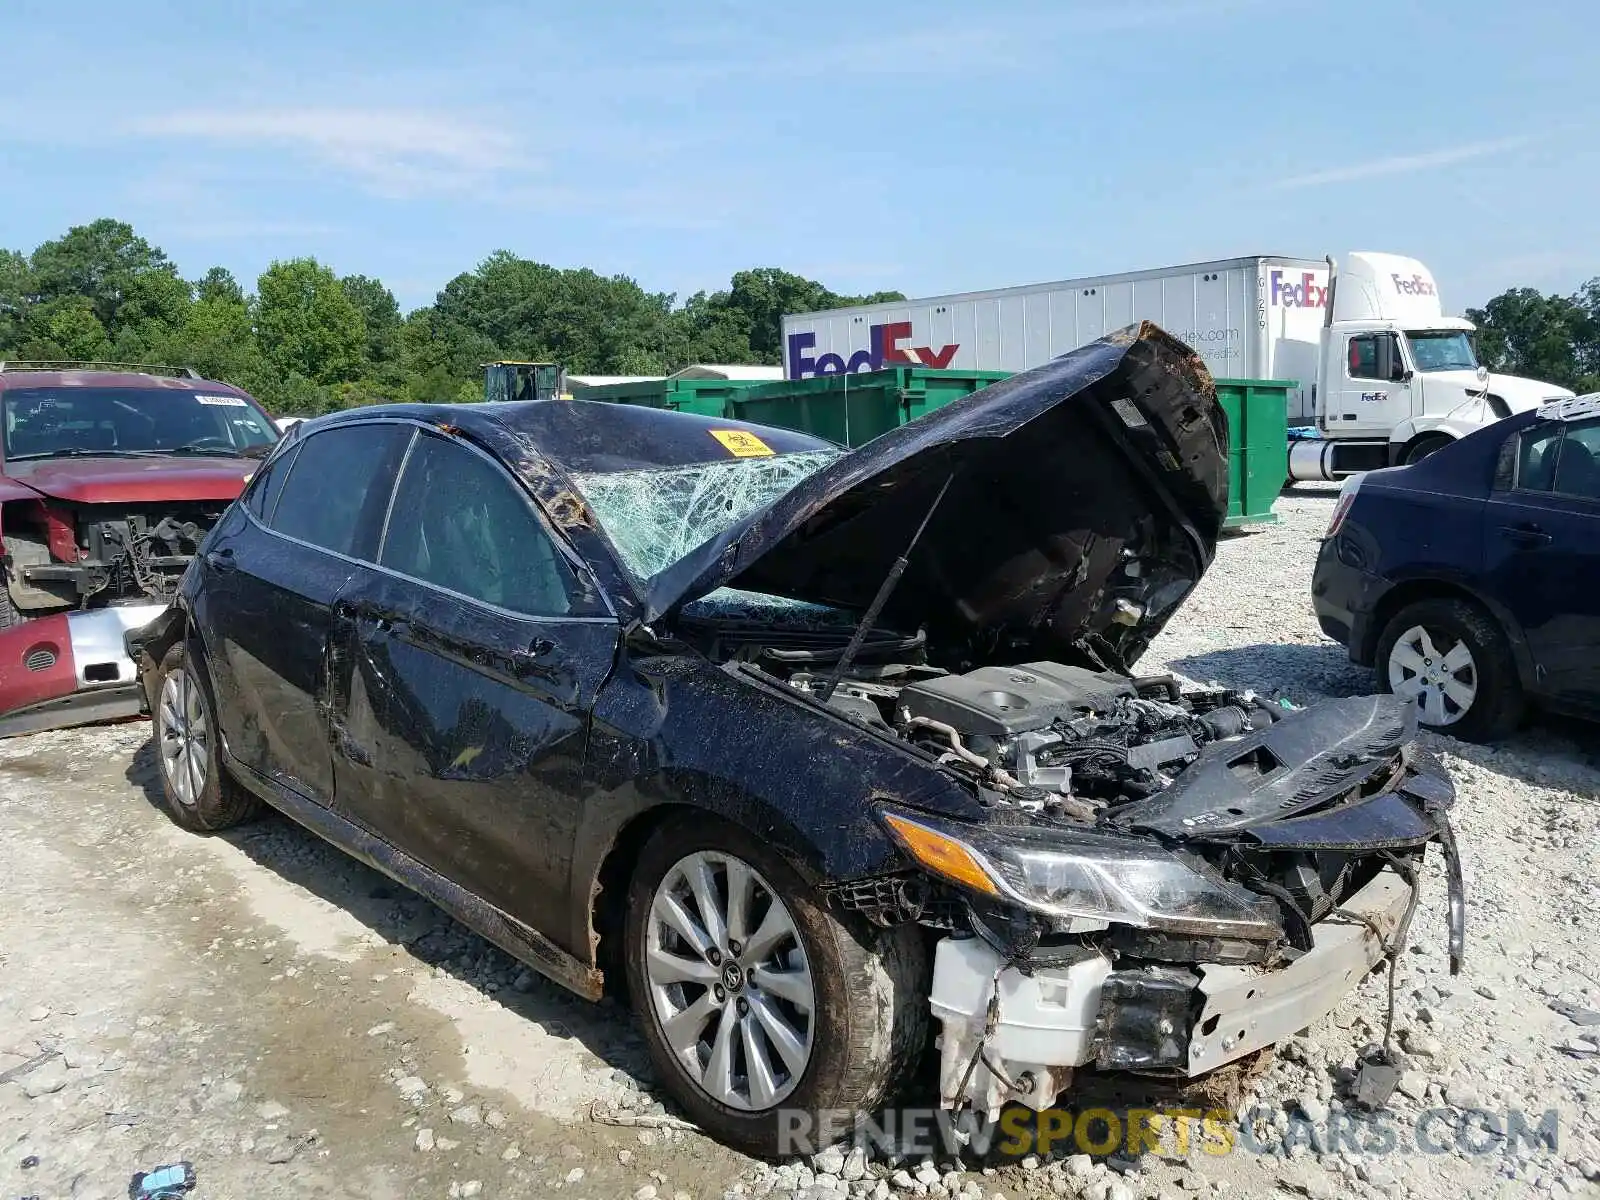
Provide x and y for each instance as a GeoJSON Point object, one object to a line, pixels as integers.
{"type": "Point", "coordinates": [221, 560]}
{"type": "Point", "coordinates": [525, 661]}
{"type": "Point", "coordinates": [1525, 535]}
{"type": "Point", "coordinates": [362, 610]}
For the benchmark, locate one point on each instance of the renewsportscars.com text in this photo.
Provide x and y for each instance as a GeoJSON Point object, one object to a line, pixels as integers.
{"type": "Point", "coordinates": [1132, 1132]}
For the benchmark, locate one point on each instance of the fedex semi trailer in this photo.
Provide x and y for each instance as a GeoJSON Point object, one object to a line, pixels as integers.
{"type": "Point", "coordinates": [1384, 376]}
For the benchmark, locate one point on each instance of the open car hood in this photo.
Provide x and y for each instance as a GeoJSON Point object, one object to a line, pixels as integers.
{"type": "Point", "coordinates": [1085, 498]}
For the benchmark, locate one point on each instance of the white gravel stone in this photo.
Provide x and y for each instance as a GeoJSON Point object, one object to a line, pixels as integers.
{"type": "Point", "coordinates": [829, 1161]}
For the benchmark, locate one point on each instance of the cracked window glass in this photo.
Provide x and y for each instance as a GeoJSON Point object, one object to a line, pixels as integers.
{"type": "Point", "coordinates": [655, 517]}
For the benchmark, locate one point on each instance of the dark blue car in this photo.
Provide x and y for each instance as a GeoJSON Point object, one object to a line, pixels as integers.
{"type": "Point", "coordinates": [1471, 580]}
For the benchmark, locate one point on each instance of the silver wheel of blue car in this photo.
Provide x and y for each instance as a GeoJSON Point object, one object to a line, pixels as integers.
{"type": "Point", "coordinates": [1437, 671]}
{"type": "Point", "coordinates": [729, 980]}
{"type": "Point", "coordinates": [183, 736]}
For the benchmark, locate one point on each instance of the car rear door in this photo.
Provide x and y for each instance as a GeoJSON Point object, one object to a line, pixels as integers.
{"type": "Point", "coordinates": [271, 574]}
{"type": "Point", "coordinates": [1542, 553]}
{"type": "Point", "coordinates": [474, 667]}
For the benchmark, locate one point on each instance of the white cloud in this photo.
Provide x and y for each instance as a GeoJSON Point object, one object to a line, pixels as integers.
{"type": "Point", "coordinates": [395, 151]}
{"type": "Point", "coordinates": [1403, 164]}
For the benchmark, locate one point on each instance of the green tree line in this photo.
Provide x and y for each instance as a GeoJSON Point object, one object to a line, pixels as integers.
{"type": "Point", "coordinates": [1523, 331]}
{"type": "Point", "coordinates": [308, 340]}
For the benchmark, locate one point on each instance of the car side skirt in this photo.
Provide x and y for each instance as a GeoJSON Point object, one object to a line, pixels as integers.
{"type": "Point", "coordinates": [524, 943]}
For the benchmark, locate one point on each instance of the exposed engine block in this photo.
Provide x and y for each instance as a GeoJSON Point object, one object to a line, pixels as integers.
{"type": "Point", "coordinates": [1047, 730]}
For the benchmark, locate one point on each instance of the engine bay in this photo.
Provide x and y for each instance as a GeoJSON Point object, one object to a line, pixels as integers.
{"type": "Point", "coordinates": [96, 555]}
{"type": "Point", "coordinates": [1049, 737]}
{"type": "Point", "coordinates": [1054, 737]}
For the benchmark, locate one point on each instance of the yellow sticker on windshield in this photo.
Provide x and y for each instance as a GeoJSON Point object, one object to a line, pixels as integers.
{"type": "Point", "coordinates": [741, 444]}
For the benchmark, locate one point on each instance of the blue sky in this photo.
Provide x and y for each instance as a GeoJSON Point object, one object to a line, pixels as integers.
{"type": "Point", "coordinates": [926, 146]}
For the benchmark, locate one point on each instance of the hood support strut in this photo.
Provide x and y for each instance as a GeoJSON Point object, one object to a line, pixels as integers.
{"type": "Point", "coordinates": [885, 590]}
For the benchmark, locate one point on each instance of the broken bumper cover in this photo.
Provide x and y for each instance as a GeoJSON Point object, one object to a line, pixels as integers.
{"type": "Point", "coordinates": [1014, 1037]}
{"type": "Point", "coordinates": [70, 669]}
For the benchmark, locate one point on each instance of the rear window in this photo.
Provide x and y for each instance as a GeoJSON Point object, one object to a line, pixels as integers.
{"type": "Point", "coordinates": [129, 422]}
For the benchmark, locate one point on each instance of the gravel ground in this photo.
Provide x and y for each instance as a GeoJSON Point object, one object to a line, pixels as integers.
{"type": "Point", "coordinates": [295, 1026]}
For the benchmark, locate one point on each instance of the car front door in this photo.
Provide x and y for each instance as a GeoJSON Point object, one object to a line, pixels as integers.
{"type": "Point", "coordinates": [1542, 553]}
{"type": "Point", "coordinates": [271, 574]}
{"type": "Point", "coordinates": [474, 668]}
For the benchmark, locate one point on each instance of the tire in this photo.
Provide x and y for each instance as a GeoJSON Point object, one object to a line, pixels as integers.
{"type": "Point", "coordinates": [1422, 447]}
{"type": "Point", "coordinates": [1420, 641]}
{"type": "Point", "coordinates": [868, 990]}
{"type": "Point", "coordinates": [199, 794]}
{"type": "Point", "coordinates": [9, 615]}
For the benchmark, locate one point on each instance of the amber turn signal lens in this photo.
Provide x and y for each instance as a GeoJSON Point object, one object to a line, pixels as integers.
{"type": "Point", "coordinates": [942, 855]}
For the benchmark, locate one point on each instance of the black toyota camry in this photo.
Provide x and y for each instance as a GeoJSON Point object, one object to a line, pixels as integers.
{"type": "Point", "coordinates": [806, 751]}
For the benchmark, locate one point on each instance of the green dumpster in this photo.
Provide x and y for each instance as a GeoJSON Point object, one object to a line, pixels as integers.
{"type": "Point", "coordinates": [703, 397]}
{"type": "Point", "coordinates": [853, 409]}
{"type": "Point", "coordinates": [1258, 446]}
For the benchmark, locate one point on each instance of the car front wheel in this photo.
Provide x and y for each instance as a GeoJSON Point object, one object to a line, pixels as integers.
{"type": "Point", "coordinates": [755, 998]}
{"type": "Point", "coordinates": [1453, 660]}
{"type": "Point", "coordinates": [199, 794]}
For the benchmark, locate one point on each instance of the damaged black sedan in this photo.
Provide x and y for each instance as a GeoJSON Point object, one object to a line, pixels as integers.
{"type": "Point", "coordinates": [815, 752]}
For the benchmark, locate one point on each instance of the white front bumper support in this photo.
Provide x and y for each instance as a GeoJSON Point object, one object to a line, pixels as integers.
{"type": "Point", "coordinates": [1048, 1023]}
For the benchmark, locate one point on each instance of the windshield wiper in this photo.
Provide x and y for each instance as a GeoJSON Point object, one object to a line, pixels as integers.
{"type": "Point", "coordinates": [76, 452]}
{"type": "Point", "coordinates": [198, 451]}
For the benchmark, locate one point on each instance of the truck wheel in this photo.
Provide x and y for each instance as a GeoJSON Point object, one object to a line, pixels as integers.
{"type": "Point", "coordinates": [1453, 660]}
{"type": "Point", "coordinates": [199, 794]}
{"type": "Point", "coordinates": [1424, 446]}
{"type": "Point", "coordinates": [755, 1000]}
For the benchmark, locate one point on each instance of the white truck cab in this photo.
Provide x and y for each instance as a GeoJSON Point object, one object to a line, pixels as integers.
{"type": "Point", "coordinates": [1397, 379]}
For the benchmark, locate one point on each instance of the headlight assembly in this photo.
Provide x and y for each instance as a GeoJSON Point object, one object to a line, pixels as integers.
{"type": "Point", "coordinates": [1063, 873]}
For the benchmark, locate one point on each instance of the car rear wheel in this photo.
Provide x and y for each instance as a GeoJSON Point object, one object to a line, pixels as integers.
{"type": "Point", "coordinates": [199, 794]}
{"type": "Point", "coordinates": [1453, 660]}
{"type": "Point", "coordinates": [755, 999]}
{"type": "Point", "coordinates": [1422, 447]}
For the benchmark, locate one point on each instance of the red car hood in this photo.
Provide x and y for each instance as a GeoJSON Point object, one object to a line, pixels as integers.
{"type": "Point", "coordinates": [134, 480]}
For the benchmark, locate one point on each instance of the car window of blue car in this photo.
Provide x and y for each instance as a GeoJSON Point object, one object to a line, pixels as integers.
{"type": "Point", "coordinates": [459, 523]}
{"type": "Point", "coordinates": [1577, 470]}
{"type": "Point", "coordinates": [1559, 459]}
{"type": "Point", "coordinates": [337, 485]}
{"type": "Point", "coordinates": [1537, 448]}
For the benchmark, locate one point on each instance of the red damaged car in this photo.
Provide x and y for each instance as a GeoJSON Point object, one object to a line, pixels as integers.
{"type": "Point", "coordinates": [109, 479]}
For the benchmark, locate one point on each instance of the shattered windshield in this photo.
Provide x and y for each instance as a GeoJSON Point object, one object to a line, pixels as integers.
{"type": "Point", "coordinates": [656, 517]}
